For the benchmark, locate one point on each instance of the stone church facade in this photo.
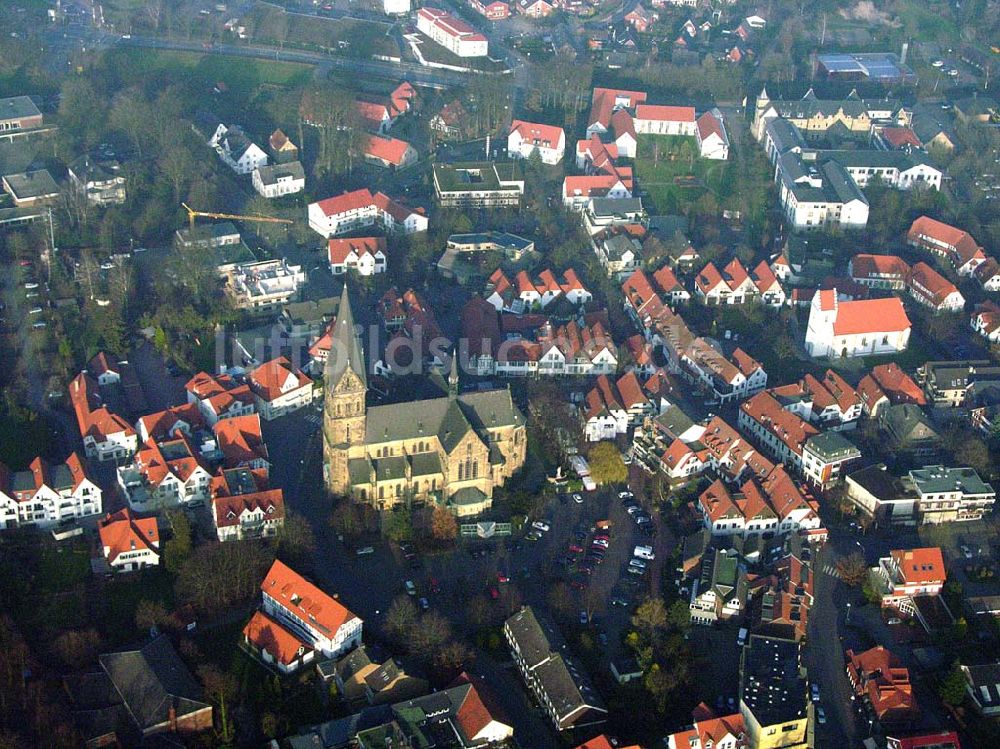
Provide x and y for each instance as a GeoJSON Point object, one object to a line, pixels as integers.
{"type": "Point", "coordinates": [454, 449]}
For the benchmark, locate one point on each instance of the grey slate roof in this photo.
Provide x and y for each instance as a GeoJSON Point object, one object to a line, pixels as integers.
{"type": "Point", "coordinates": [346, 350]}
{"type": "Point", "coordinates": [269, 175]}
{"type": "Point", "coordinates": [151, 681]}
{"type": "Point", "coordinates": [771, 684]}
{"type": "Point", "coordinates": [18, 107]}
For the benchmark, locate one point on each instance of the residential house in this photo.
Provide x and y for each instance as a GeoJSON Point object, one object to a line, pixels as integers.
{"type": "Point", "coordinates": [790, 439]}
{"type": "Point", "coordinates": [819, 194]}
{"type": "Point", "coordinates": [713, 141]}
{"type": "Point", "coordinates": [263, 286]}
{"type": "Point", "coordinates": [947, 242]}
{"type": "Point", "coordinates": [612, 406]}
{"type": "Point", "coordinates": [237, 151]}
{"type": "Point", "coordinates": [315, 618]}
{"type": "Point", "coordinates": [287, 178]}
{"type": "Point", "coordinates": [106, 436]}
{"type": "Point", "coordinates": [497, 10]}
{"type": "Point", "coordinates": [887, 384]}
{"type": "Point", "coordinates": [451, 33]}
{"type": "Point", "coordinates": [947, 383]}
{"type": "Point", "coordinates": [982, 684]}
{"type": "Point", "coordinates": [788, 597]}
{"type": "Point", "coordinates": [390, 153]}
{"type": "Point", "coordinates": [129, 542]}
{"type": "Point", "coordinates": [45, 495]}
{"type": "Point", "coordinates": [366, 255]}
{"type": "Point", "coordinates": [452, 120]}
{"type": "Point", "coordinates": [280, 388]}
{"type": "Point", "coordinates": [887, 272]}
{"type": "Point", "coordinates": [364, 675]}
{"type": "Point", "coordinates": [986, 321]}
{"type": "Point", "coordinates": [221, 234]}
{"type": "Point", "coordinates": [605, 216]}
{"type": "Point", "coordinates": [907, 574]}
{"type": "Point", "coordinates": [219, 397]}
{"type": "Point", "coordinates": [138, 694]}
{"type": "Point", "coordinates": [240, 511]}
{"type": "Point", "coordinates": [529, 138]}
{"type": "Point", "coordinates": [878, 677]}
{"type": "Point", "coordinates": [855, 328]}
{"type": "Point", "coordinates": [620, 254]}
{"type": "Point", "coordinates": [720, 593]}
{"type": "Point", "coordinates": [908, 432]}
{"type": "Point", "coordinates": [283, 151]}
{"type": "Point", "coordinates": [709, 731]}
{"type": "Point", "coordinates": [732, 286]}
{"type": "Point", "coordinates": [275, 645]}
{"type": "Point", "coordinates": [534, 8]}
{"type": "Point", "coordinates": [558, 683]}
{"type": "Point", "coordinates": [672, 290]}
{"type": "Point", "coordinates": [354, 210]}
{"type": "Point", "coordinates": [166, 472]}
{"type": "Point", "coordinates": [951, 494]}
{"type": "Point", "coordinates": [828, 403]}
{"type": "Point", "coordinates": [639, 18]}
{"type": "Point", "coordinates": [769, 289]}
{"type": "Point", "coordinates": [241, 443]}
{"type": "Point", "coordinates": [100, 182]}
{"type": "Point", "coordinates": [988, 274]}
{"type": "Point", "coordinates": [578, 191]}
{"type": "Point", "coordinates": [482, 184]}
{"type": "Point", "coordinates": [931, 289]}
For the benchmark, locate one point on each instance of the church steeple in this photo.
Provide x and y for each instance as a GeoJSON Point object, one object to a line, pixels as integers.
{"type": "Point", "coordinates": [453, 376]}
{"type": "Point", "coordinates": [346, 352]}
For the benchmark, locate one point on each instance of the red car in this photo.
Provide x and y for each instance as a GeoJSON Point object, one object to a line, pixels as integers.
{"type": "Point", "coordinates": [575, 549]}
{"type": "Point", "coordinates": [602, 537]}
{"type": "Point", "coordinates": [578, 585]}
{"type": "Point", "coordinates": [502, 578]}
{"type": "Point", "coordinates": [435, 586]}
{"type": "Point", "coordinates": [494, 593]}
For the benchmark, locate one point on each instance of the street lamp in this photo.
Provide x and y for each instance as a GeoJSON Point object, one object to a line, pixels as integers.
{"type": "Point", "coordinates": [847, 620]}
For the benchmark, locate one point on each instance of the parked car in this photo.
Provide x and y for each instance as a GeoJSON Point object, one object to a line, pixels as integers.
{"type": "Point", "coordinates": [625, 495]}
{"type": "Point", "coordinates": [637, 563]}
{"type": "Point", "coordinates": [820, 716]}
{"type": "Point", "coordinates": [636, 570]}
{"type": "Point", "coordinates": [540, 525]}
{"type": "Point", "coordinates": [644, 552]}
{"type": "Point", "coordinates": [583, 617]}
{"type": "Point", "coordinates": [814, 691]}
{"type": "Point", "coordinates": [502, 578]}
{"type": "Point", "coordinates": [576, 549]}
{"type": "Point", "coordinates": [602, 542]}
{"type": "Point", "coordinates": [494, 592]}
{"type": "Point", "coordinates": [365, 550]}
{"type": "Point", "coordinates": [411, 589]}
{"type": "Point", "coordinates": [424, 604]}
{"type": "Point", "coordinates": [435, 586]}
{"type": "Point", "coordinates": [741, 637]}
{"type": "Point", "coordinates": [578, 499]}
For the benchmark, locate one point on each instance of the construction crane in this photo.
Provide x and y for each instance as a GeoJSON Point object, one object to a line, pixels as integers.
{"type": "Point", "coordinates": [192, 214]}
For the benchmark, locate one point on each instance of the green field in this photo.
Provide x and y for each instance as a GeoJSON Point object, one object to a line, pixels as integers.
{"type": "Point", "coordinates": [241, 74]}
{"type": "Point", "coordinates": [349, 36]}
{"type": "Point", "coordinates": [671, 175]}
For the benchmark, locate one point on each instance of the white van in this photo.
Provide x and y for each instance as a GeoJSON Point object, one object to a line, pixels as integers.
{"type": "Point", "coordinates": [741, 638]}
{"type": "Point", "coordinates": [644, 552]}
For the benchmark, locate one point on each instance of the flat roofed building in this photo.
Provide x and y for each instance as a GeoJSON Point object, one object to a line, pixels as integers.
{"type": "Point", "coordinates": [28, 189]}
{"type": "Point", "coordinates": [19, 113]}
{"type": "Point", "coordinates": [480, 183]}
{"type": "Point", "coordinates": [262, 286]}
{"type": "Point", "coordinates": [772, 690]}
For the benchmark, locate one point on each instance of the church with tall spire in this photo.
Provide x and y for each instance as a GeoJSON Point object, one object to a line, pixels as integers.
{"type": "Point", "coordinates": [452, 450]}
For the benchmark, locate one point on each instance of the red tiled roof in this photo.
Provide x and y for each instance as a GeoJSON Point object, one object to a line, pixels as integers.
{"type": "Point", "coordinates": [603, 103]}
{"type": "Point", "coordinates": [924, 277]}
{"type": "Point", "coordinates": [789, 428]}
{"type": "Point", "coordinates": [898, 386]}
{"type": "Point", "coordinates": [590, 185]}
{"type": "Point", "coordinates": [92, 417]}
{"type": "Point", "coordinates": [547, 136]}
{"type": "Point", "coordinates": [880, 675]}
{"type": "Point", "coordinates": [871, 266]}
{"type": "Point", "coordinates": [939, 740]}
{"type": "Point", "coordinates": [124, 532]}
{"type": "Point", "coordinates": [897, 137]}
{"type": "Point", "coordinates": [163, 424]}
{"type": "Point", "coordinates": [708, 125]}
{"type": "Point", "coordinates": [664, 113]}
{"type": "Point", "coordinates": [390, 150]}
{"type": "Point", "coordinates": [870, 316]}
{"type": "Point", "coordinates": [955, 240]}
{"type": "Point", "coordinates": [764, 278]}
{"type": "Point", "coordinates": [666, 280]}
{"type": "Point", "coordinates": [268, 379]}
{"type": "Point", "coordinates": [920, 565]}
{"type": "Point", "coordinates": [240, 439]}
{"type": "Point", "coordinates": [228, 509]}
{"type": "Point", "coordinates": [264, 633]}
{"type": "Point", "coordinates": [348, 201]}
{"type": "Point", "coordinates": [339, 249]}
{"type": "Point", "coordinates": [304, 599]}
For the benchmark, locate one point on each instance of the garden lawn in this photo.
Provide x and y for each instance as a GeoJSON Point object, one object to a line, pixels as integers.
{"type": "Point", "coordinates": [662, 159]}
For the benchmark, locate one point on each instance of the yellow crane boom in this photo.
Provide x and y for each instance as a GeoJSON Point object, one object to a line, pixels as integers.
{"type": "Point", "coordinates": [192, 214]}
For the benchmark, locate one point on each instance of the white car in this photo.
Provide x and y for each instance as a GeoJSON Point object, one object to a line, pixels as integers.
{"type": "Point", "coordinates": [821, 716]}
{"type": "Point", "coordinates": [938, 64]}
{"type": "Point", "coordinates": [625, 495]}
{"type": "Point", "coordinates": [540, 526]}
{"type": "Point", "coordinates": [578, 499]}
{"type": "Point", "coordinates": [637, 563]}
{"type": "Point", "coordinates": [644, 552]}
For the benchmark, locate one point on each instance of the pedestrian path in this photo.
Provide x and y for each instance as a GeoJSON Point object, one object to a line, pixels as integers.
{"type": "Point", "coordinates": [831, 570]}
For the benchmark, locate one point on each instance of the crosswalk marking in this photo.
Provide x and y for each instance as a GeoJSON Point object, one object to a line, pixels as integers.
{"type": "Point", "coordinates": [831, 570]}
{"type": "Point", "coordinates": [314, 418]}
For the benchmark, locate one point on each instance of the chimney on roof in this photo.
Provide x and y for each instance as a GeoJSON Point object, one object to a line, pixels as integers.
{"type": "Point", "coordinates": [172, 718]}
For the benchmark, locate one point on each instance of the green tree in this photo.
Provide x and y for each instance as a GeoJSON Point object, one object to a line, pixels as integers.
{"type": "Point", "coordinates": [397, 524]}
{"type": "Point", "coordinates": [444, 526]}
{"type": "Point", "coordinates": [606, 465]}
{"type": "Point", "coordinates": [177, 550]}
{"type": "Point", "coordinates": [952, 686]}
